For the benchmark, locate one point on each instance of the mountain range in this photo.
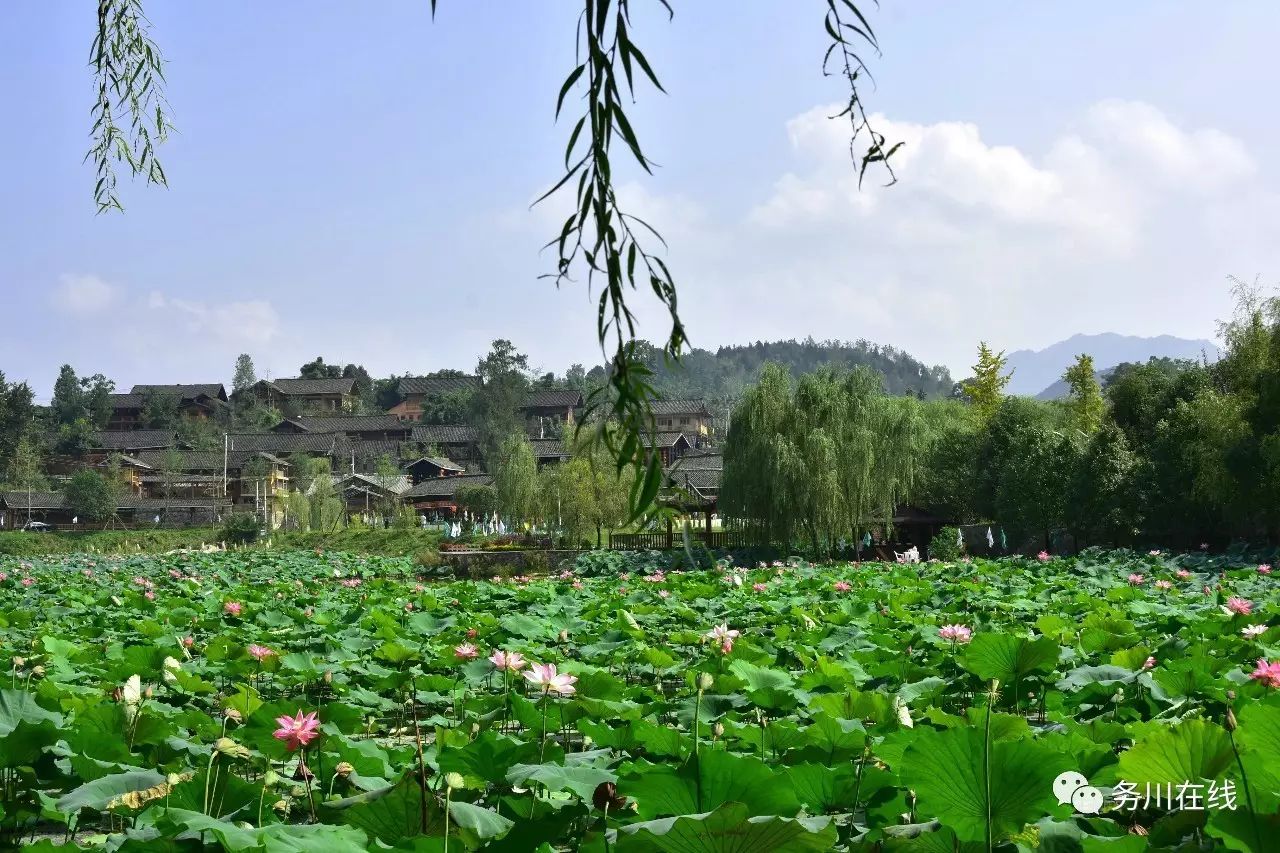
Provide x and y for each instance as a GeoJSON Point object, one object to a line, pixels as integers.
{"type": "Point", "coordinates": [1038, 373]}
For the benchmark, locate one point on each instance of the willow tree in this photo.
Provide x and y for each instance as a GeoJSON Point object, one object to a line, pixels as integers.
{"type": "Point", "coordinates": [515, 479]}
{"type": "Point", "coordinates": [824, 460]}
{"type": "Point", "coordinates": [601, 241]}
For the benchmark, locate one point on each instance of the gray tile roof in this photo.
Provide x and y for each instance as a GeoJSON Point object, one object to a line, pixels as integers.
{"type": "Point", "coordinates": [435, 386]}
{"type": "Point", "coordinates": [680, 407]}
{"type": "Point", "coordinates": [38, 500]}
{"type": "Point", "coordinates": [184, 391]}
{"type": "Point", "coordinates": [125, 401]}
{"type": "Point", "coordinates": [397, 484]}
{"type": "Point", "coordinates": [138, 439]}
{"type": "Point", "coordinates": [284, 443]}
{"type": "Point", "coordinates": [547, 398]}
{"type": "Point", "coordinates": [439, 461]}
{"type": "Point", "coordinates": [303, 387]}
{"type": "Point", "coordinates": [447, 487]}
{"type": "Point", "coordinates": [444, 433]}
{"type": "Point", "coordinates": [699, 461]}
{"type": "Point", "coordinates": [56, 500]}
{"type": "Point", "coordinates": [663, 439]}
{"type": "Point", "coordinates": [548, 448]}
{"type": "Point", "coordinates": [347, 423]}
{"type": "Point", "coordinates": [206, 460]}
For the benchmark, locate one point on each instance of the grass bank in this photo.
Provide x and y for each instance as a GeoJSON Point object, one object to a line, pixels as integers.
{"type": "Point", "coordinates": [360, 540]}
{"type": "Point", "coordinates": [20, 544]}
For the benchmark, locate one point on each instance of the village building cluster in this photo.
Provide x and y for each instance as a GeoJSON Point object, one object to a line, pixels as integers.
{"type": "Point", "coordinates": [168, 482]}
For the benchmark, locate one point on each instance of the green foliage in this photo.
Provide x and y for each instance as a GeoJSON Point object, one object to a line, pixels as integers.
{"type": "Point", "coordinates": [1086, 403]}
{"type": "Point", "coordinates": [480, 501]}
{"type": "Point", "coordinates": [829, 703]}
{"type": "Point", "coordinates": [91, 496]}
{"type": "Point", "coordinates": [245, 376]}
{"type": "Point", "coordinates": [985, 389]}
{"type": "Point", "coordinates": [160, 409]}
{"type": "Point", "coordinates": [18, 544]}
{"type": "Point", "coordinates": [946, 546]}
{"type": "Point", "coordinates": [15, 421]}
{"type": "Point", "coordinates": [823, 461]}
{"type": "Point", "coordinates": [515, 479]}
{"type": "Point", "coordinates": [495, 406]}
{"type": "Point", "coordinates": [241, 528]}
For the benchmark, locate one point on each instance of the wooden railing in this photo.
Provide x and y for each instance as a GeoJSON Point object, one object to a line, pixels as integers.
{"type": "Point", "coordinates": [665, 541]}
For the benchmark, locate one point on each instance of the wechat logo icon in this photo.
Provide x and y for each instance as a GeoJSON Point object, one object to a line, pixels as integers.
{"type": "Point", "coordinates": [1072, 787]}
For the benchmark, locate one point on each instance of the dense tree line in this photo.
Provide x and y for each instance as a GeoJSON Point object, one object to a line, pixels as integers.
{"type": "Point", "coordinates": [1167, 453]}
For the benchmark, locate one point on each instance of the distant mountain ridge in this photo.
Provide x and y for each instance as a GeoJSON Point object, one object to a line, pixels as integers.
{"type": "Point", "coordinates": [1038, 373]}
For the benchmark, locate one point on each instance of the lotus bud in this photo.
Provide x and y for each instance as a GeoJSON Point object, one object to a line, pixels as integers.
{"type": "Point", "coordinates": [344, 769]}
{"type": "Point", "coordinates": [705, 680]}
{"type": "Point", "coordinates": [19, 663]}
{"type": "Point", "coordinates": [454, 780]}
{"type": "Point", "coordinates": [232, 714]}
{"type": "Point", "coordinates": [564, 636]}
{"type": "Point", "coordinates": [1230, 724]}
{"type": "Point", "coordinates": [226, 746]}
{"type": "Point", "coordinates": [475, 729]}
{"type": "Point", "coordinates": [148, 693]}
{"type": "Point", "coordinates": [718, 730]}
{"type": "Point", "coordinates": [280, 806]}
{"type": "Point", "coordinates": [328, 676]}
{"type": "Point", "coordinates": [270, 778]}
{"type": "Point", "coordinates": [37, 671]}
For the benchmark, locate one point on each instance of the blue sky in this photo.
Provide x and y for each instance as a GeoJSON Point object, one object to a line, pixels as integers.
{"type": "Point", "coordinates": [355, 184]}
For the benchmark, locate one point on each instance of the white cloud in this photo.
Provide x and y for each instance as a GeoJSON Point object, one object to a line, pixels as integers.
{"type": "Point", "coordinates": [82, 294]}
{"type": "Point", "coordinates": [1123, 223]}
{"type": "Point", "coordinates": [251, 323]}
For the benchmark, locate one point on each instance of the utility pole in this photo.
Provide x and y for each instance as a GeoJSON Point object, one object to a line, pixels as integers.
{"type": "Point", "coordinates": [226, 448]}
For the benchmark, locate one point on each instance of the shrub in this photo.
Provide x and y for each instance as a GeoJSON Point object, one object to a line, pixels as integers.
{"type": "Point", "coordinates": [944, 546]}
{"type": "Point", "coordinates": [241, 528]}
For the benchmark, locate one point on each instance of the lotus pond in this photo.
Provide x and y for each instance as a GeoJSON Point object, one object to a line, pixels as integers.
{"type": "Point", "coordinates": [298, 701]}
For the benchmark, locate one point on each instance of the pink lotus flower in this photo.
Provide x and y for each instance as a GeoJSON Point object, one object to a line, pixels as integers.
{"type": "Point", "coordinates": [1267, 673]}
{"type": "Point", "coordinates": [726, 645]}
{"type": "Point", "coordinates": [1043, 557]}
{"type": "Point", "coordinates": [1204, 546]}
{"type": "Point", "coordinates": [577, 584]}
{"type": "Point", "coordinates": [624, 576]}
{"type": "Point", "coordinates": [149, 595]}
{"type": "Point", "coordinates": [662, 593]}
{"type": "Point", "coordinates": [1184, 574]}
{"type": "Point", "coordinates": [28, 581]}
{"type": "Point", "coordinates": [507, 661]}
{"type": "Point", "coordinates": [4, 576]}
{"type": "Point", "coordinates": [566, 575]}
{"type": "Point", "coordinates": [465, 651]}
{"type": "Point", "coordinates": [1163, 584]}
{"type": "Point", "coordinates": [656, 577]}
{"type": "Point", "coordinates": [545, 677]}
{"type": "Point", "coordinates": [1154, 553]}
{"type": "Point", "coordinates": [760, 587]}
{"type": "Point", "coordinates": [720, 633]}
{"type": "Point", "coordinates": [1264, 569]}
{"type": "Point", "coordinates": [1252, 632]}
{"type": "Point", "coordinates": [956, 633]}
{"type": "Point", "coordinates": [297, 732]}
{"type": "Point", "coordinates": [1238, 605]}
{"type": "Point", "coordinates": [260, 653]}
{"type": "Point", "coordinates": [496, 579]}
{"type": "Point", "coordinates": [188, 641]}
{"type": "Point", "coordinates": [87, 572]}
{"type": "Point", "coordinates": [842, 586]}
{"type": "Point", "coordinates": [1136, 579]}
{"type": "Point", "coordinates": [1149, 663]}
{"type": "Point", "coordinates": [232, 608]}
